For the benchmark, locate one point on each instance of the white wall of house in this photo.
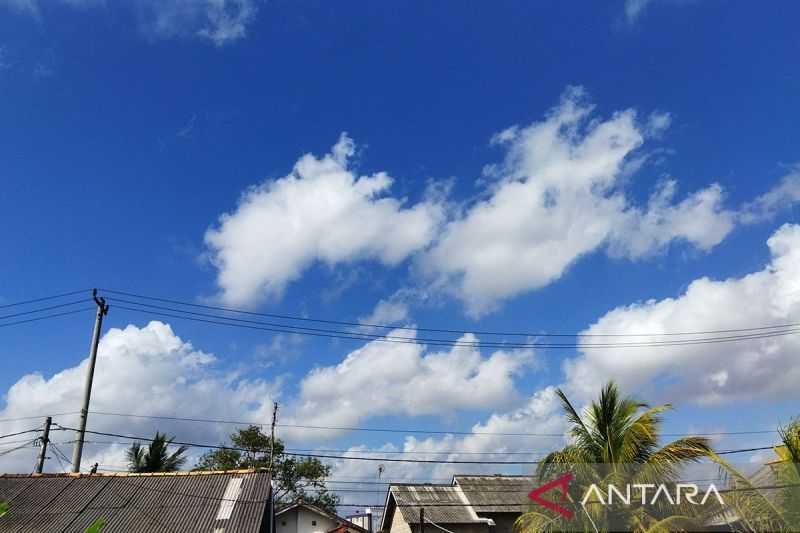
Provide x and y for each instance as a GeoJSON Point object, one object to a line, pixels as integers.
{"type": "Point", "coordinates": [399, 525]}
{"type": "Point", "coordinates": [303, 521]}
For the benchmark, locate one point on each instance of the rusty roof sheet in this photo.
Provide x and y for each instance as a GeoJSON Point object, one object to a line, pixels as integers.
{"type": "Point", "coordinates": [236, 501]}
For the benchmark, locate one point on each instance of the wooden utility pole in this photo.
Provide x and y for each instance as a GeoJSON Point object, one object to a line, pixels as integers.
{"type": "Point", "coordinates": [102, 310]}
{"type": "Point", "coordinates": [421, 520]}
{"type": "Point", "coordinates": [45, 440]}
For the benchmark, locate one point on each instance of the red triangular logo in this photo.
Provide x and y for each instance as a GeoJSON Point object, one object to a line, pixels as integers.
{"type": "Point", "coordinates": [563, 484]}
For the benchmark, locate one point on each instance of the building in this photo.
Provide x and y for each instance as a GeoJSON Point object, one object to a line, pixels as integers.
{"type": "Point", "coordinates": [363, 520]}
{"type": "Point", "coordinates": [306, 518]}
{"type": "Point", "coordinates": [213, 502]}
{"type": "Point", "coordinates": [469, 504]}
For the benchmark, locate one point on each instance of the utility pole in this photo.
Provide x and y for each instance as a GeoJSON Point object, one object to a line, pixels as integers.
{"type": "Point", "coordinates": [421, 520]}
{"type": "Point", "coordinates": [272, 437]}
{"type": "Point", "coordinates": [270, 477]}
{"type": "Point", "coordinates": [102, 310]}
{"type": "Point", "coordinates": [45, 440]}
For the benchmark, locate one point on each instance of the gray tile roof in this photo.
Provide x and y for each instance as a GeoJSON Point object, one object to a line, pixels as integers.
{"type": "Point", "coordinates": [496, 494]}
{"type": "Point", "coordinates": [182, 501]}
{"type": "Point", "coordinates": [443, 504]}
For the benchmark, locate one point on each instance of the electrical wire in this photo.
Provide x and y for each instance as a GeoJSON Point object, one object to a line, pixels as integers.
{"type": "Point", "coordinates": [53, 297]}
{"type": "Point", "coordinates": [36, 417]}
{"type": "Point", "coordinates": [441, 330]}
{"type": "Point", "coordinates": [65, 313]}
{"type": "Point", "coordinates": [264, 326]}
{"type": "Point", "coordinates": [325, 450]}
{"type": "Point", "coordinates": [58, 458]}
{"type": "Point", "coordinates": [49, 308]}
{"type": "Point", "coordinates": [27, 443]}
{"type": "Point", "coordinates": [19, 433]}
{"type": "Point", "coordinates": [395, 430]}
{"type": "Point", "coordinates": [358, 458]}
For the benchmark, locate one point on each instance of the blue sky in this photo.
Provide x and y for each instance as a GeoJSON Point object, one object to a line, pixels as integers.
{"type": "Point", "coordinates": [129, 129]}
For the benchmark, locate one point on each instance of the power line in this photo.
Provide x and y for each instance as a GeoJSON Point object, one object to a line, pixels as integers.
{"type": "Point", "coordinates": [19, 433]}
{"type": "Point", "coordinates": [27, 443]}
{"type": "Point", "coordinates": [316, 332]}
{"type": "Point", "coordinates": [359, 458]}
{"type": "Point", "coordinates": [442, 330]}
{"type": "Point", "coordinates": [53, 297]}
{"type": "Point", "coordinates": [34, 311]}
{"type": "Point", "coordinates": [323, 450]}
{"type": "Point", "coordinates": [407, 430]}
{"type": "Point", "coordinates": [36, 417]}
{"type": "Point", "coordinates": [46, 317]}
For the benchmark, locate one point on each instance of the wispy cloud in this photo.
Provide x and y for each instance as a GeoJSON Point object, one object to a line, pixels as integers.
{"type": "Point", "coordinates": [4, 62]}
{"type": "Point", "coordinates": [218, 21]}
{"type": "Point", "coordinates": [186, 131]}
{"type": "Point", "coordinates": [635, 8]}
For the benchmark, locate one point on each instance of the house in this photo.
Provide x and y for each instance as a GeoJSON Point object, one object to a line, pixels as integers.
{"type": "Point", "coordinates": [469, 504]}
{"type": "Point", "coordinates": [234, 501]}
{"type": "Point", "coordinates": [306, 518]}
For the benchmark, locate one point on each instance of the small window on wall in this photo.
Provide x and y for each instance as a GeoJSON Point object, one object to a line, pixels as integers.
{"type": "Point", "coordinates": [313, 522]}
{"type": "Point", "coordinates": [283, 523]}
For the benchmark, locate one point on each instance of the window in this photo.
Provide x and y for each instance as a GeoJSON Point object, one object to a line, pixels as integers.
{"type": "Point", "coordinates": [313, 522]}
{"type": "Point", "coordinates": [283, 523]}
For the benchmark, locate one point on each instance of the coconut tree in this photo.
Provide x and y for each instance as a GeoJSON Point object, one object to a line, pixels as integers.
{"type": "Point", "coordinates": [616, 440]}
{"type": "Point", "coordinates": [770, 499]}
{"type": "Point", "coordinates": [156, 457]}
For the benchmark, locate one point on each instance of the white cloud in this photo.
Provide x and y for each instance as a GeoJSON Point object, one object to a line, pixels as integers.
{"type": "Point", "coordinates": [387, 312]}
{"type": "Point", "coordinates": [219, 21]}
{"type": "Point", "coordinates": [699, 219]}
{"type": "Point", "coordinates": [541, 413]}
{"type": "Point", "coordinates": [779, 198]}
{"type": "Point", "coordinates": [556, 197]}
{"type": "Point", "coordinates": [707, 373]}
{"type": "Point", "coordinates": [321, 212]}
{"type": "Point", "coordinates": [406, 379]}
{"type": "Point", "coordinates": [635, 8]}
{"type": "Point", "coordinates": [30, 7]}
{"type": "Point", "coordinates": [139, 370]}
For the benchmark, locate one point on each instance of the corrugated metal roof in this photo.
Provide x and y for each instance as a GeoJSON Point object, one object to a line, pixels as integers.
{"type": "Point", "coordinates": [409, 499]}
{"type": "Point", "coordinates": [496, 494]}
{"type": "Point", "coordinates": [165, 502]}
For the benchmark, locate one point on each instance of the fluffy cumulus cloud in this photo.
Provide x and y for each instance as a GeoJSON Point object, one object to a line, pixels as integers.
{"type": "Point", "coordinates": [408, 379]}
{"type": "Point", "coordinates": [558, 196]}
{"type": "Point", "coordinates": [218, 21]}
{"type": "Point", "coordinates": [139, 370]}
{"type": "Point", "coordinates": [322, 211]}
{"type": "Point", "coordinates": [708, 373]}
{"type": "Point", "coordinates": [498, 438]}
{"type": "Point", "coordinates": [699, 219]}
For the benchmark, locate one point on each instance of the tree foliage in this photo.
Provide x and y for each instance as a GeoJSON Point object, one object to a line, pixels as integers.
{"type": "Point", "coordinates": [759, 507]}
{"type": "Point", "coordinates": [156, 456]}
{"type": "Point", "coordinates": [295, 478]}
{"type": "Point", "coordinates": [616, 441]}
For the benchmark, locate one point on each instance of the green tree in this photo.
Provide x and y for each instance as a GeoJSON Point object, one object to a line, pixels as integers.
{"type": "Point", "coordinates": [156, 457]}
{"type": "Point", "coordinates": [756, 508]}
{"type": "Point", "coordinates": [295, 478]}
{"type": "Point", "coordinates": [616, 440]}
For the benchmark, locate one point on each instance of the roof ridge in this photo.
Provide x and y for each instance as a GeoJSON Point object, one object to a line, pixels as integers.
{"type": "Point", "coordinates": [180, 473]}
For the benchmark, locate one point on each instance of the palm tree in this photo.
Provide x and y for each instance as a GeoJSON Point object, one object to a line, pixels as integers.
{"type": "Point", "coordinates": [616, 440]}
{"type": "Point", "coordinates": [769, 500]}
{"type": "Point", "coordinates": [156, 458]}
